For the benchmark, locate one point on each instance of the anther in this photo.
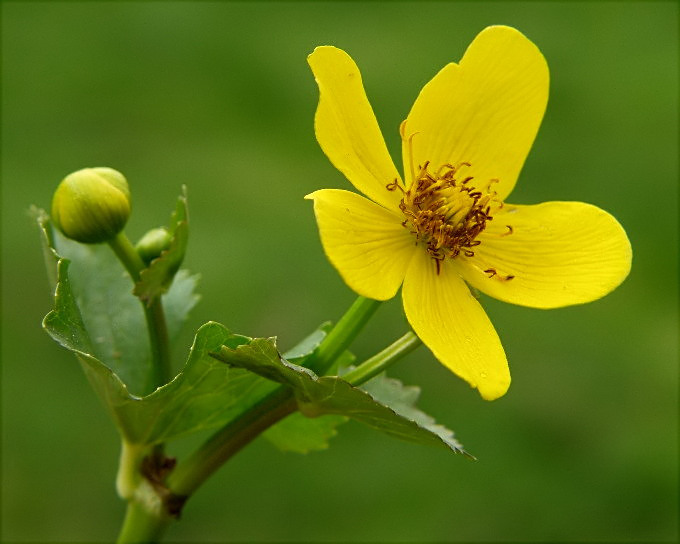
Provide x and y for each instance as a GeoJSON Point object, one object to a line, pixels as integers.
{"type": "Point", "coordinates": [445, 214]}
{"type": "Point", "coordinates": [394, 186]}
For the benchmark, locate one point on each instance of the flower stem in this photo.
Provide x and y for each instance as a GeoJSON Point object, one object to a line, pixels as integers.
{"type": "Point", "coordinates": [128, 255]}
{"type": "Point", "coordinates": [380, 361]}
{"type": "Point", "coordinates": [230, 439]}
{"type": "Point", "coordinates": [153, 313]}
{"type": "Point", "coordinates": [160, 346]}
{"type": "Point", "coordinates": [342, 335]}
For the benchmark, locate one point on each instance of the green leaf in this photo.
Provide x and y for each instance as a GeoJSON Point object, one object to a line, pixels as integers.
{"type": "Point", "coordinates": [298, 433]}
{"type": "Point", "coordinates": [308, 344]}
{"type": "Point", "coordinates": [157, 277]}
{"type": "Point", "coordinates": [301, 434]}
{"type": "Point", "coordinates": [204, 395]}
{"type": "Point", "coordinates": [317, 396]}
{"type": "Point", "coordinates": [402, 399]}
{"type": "Point", "coordinates": [113, 317]}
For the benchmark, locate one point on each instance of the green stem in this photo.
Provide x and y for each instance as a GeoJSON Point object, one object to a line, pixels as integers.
{"type": "Point", "coordinates": [236, 434]}
{"type": "Point", "coordinates": [380, 361]}
{"type": "Point", "coordinates": [146, 523]}
{"type": "Point", "coordinates": [128, 255]}
{"type": "Point", "coordinates": [145, 518]}
{"type": "Point", "coordinates": [342, 335]}
{"type": "Point", "coordinates": [229, 440]}
{"type": "Point", "coordinates": [142, 524]}
{"type": "Point", "coordinates": [129, 474]}
{"type": "Point", "coordinates": [161, 371]}
{"type": "Point", "coordinates": [153, 313]}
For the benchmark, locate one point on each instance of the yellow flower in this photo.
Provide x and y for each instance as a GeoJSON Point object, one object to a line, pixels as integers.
{"type": "Point", "coordinates": [446, 223]}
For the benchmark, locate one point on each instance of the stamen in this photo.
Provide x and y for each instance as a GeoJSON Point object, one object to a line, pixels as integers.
{"type": "Point", "coordinates": [394, 186]}
{"type": "Point", "coordinates": [445, 214]}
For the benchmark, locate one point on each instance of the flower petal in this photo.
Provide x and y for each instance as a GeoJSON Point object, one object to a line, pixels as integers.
{"type": "Point", "coordinates": [560, 253]}
{"type": "Point", "coordinates": [450, 321]}
{"type": "Point", "coordinates": [485, 111]}
{"type": "Point", "coordinates": [346, 127]}
{"type": "Point", "coordinates": [365, 242]}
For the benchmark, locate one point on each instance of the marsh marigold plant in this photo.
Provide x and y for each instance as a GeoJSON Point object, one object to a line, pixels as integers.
{"type": "Point", "coordinates": [446, 223]}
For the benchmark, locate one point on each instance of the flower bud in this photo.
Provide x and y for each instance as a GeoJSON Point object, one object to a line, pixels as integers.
{"type": "Point", "coordinates": [153, 243]}
{"type": "Point", "coordinates": [91, 205]}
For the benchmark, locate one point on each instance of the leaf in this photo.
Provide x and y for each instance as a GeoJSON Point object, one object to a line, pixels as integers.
{"type": "Point", "coordinates": [113, 317]}
{"type": "Point", "coordinates": [308, 344]}
{"type": "Point", "coordinates": [204, 395]}
{"type": "Point", "coordinates": [402, 399]}
{"type": "Point", "coordinates": [158, 276]}
{"type": "Point", "coordinates": [301, 434]}
{"type": "Point", "coordinates": [317, 396]}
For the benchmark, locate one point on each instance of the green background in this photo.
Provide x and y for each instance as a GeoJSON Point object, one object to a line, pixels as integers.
{"type": "Point", "coordinates": [218, 96]}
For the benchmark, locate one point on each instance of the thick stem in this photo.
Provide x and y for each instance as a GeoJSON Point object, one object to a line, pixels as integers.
{"type": "Point", "coordinates": [129, 469]}
{"type": "Point", "coordinates": [231, 438]}
{"type": "Point", "coordinates": [386, 358]}
{"type": "Point", "coordinates": [142, 524]}
{"type": "Point", "coordinates": [191, 473]}
{"type": "Point", "coordinates": [146, 517]}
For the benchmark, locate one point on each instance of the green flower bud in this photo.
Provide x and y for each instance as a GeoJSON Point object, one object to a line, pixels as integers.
{"type": "Point", "coordinates": [153, 243]}
{"type": "Point", "coordinates": [91, 205]}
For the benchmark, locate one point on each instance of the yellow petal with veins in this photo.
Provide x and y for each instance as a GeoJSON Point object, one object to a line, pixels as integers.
{"type": "Point", "coordinates": [346, 127]}
{"type": "Point", "coordinates": [560, 253]}
{"type": "Point", "coordinates": [484, 111]}
{"type": "Point", "coordinates": [364, 241]}
{"type": "Point", "coordinates": [450, 321]}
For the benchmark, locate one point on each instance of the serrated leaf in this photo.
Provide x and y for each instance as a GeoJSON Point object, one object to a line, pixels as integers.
{"type": "Point", "coordinates": [298, 433]}
{"type": "Point", "coordinates": [317, 396]}
{"type": "Point", "coordinates": [158, 276]}
{"type": "Point", "coordinates": [402, 399]}
{"type": "Point", "coordinates": [301, 434]}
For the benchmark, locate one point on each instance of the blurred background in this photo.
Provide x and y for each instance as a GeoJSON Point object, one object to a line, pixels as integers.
{"type": "Point", "coordinates": [218, 96]}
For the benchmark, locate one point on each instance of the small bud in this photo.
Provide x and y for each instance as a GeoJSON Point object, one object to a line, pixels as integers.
{"type": "Point", "coordinates": [91, 205]}
{"type": "Point", "coordinates": [153, 243]}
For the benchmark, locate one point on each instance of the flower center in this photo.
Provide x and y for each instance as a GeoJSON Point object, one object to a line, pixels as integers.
{"type": "Point", "coordinates": [446, 212]}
